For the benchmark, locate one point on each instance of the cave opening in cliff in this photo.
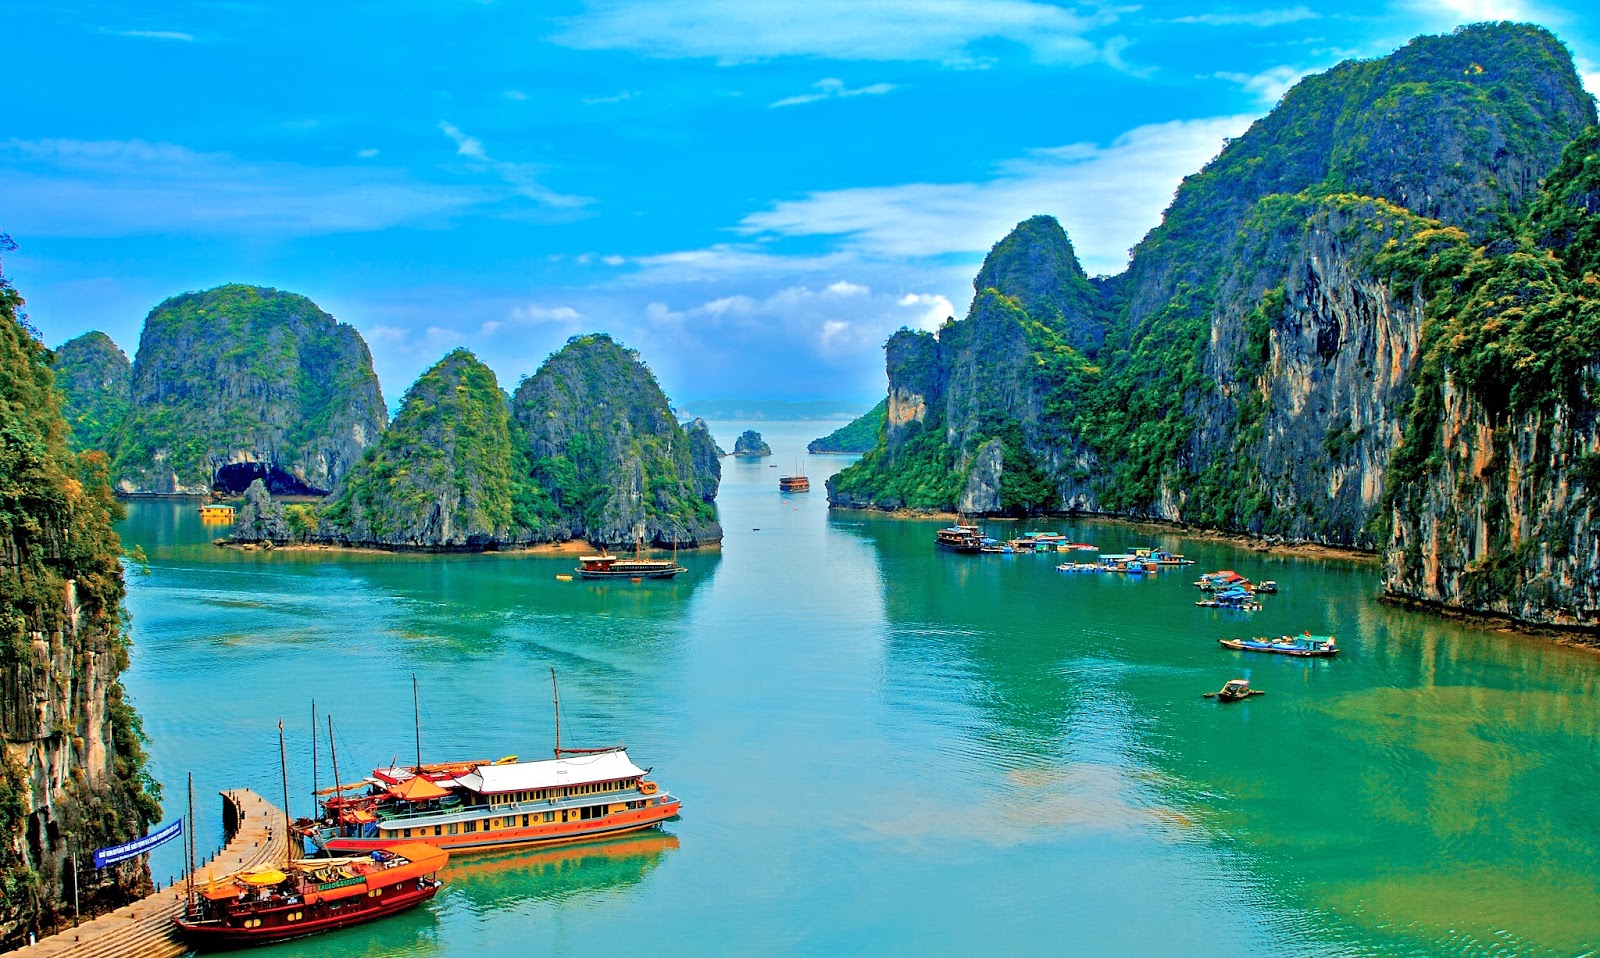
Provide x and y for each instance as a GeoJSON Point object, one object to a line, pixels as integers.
{"type": "Point", "coordinates": [234, 478]}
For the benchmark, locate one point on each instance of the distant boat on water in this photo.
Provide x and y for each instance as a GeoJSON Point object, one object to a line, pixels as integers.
{"type": "Point", "coordinates": [1305, 645]}
{"type": "Point", "coordinates": [960, 538]}
{"type": "Point", "coordinates": [607, 566]}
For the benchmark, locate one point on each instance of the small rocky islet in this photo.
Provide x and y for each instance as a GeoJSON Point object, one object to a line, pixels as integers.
{"type": "Point", "coordinates": [751, 445]}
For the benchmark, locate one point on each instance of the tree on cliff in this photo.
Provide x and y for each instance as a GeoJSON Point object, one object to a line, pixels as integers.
{"type": "Point", "coordinates": [62, 645]}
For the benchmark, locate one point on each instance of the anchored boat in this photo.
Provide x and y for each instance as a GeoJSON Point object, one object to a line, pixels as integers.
{"type": "Point", "coordinates": [309, 896]}
{"type": "Point", "coordinates": [1305, 645]}
{"type": "Point", "coordinates": [960, 538]}
{"type": "Point", "coordinates": [580, 794]}
{"type": "Point", "coordinates": [607, 566]}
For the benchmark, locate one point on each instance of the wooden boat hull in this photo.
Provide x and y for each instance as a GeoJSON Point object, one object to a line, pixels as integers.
{"type": "Point", "coordinates": [631, 574]}
{"type": "Point", "coordinates": [1299, 652]}
{"type": "Point", "coordinates": [276, 926]}
{"type": "Point", "coordinates": [553, 833]}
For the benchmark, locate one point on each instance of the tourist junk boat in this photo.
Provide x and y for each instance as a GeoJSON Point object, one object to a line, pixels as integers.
{"type": "Point", "coordinates": [310, 896]}
{"type": "Point", "coordinates": [794, 484]}
{"type": "Point", "coordinates": [1234, 690]}
{"type": "Point", "coordinates": [580, 794]}
{"type": "Point", "coordinates": [960, 538]}
{"type": "Point", "coordinates": [607, 566]}
{"type": "Point", "coordinates": [1305, 645]}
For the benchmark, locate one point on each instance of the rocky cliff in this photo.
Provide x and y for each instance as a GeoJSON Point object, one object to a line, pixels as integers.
{"type": "Point", "coordinates": [72, 773]}
{"type": "Point", "coordinates": [1263, 353]}
{"type": "Point", "coordinates": [238, 383]}
{"type": "Point", "coordinates": [441, 475]}
{"type": "Point", "coordinates": [751, 444]}
{"type": "Point", "coordinates": [1495, 488]}
{"type": "Point", "coordinates": [707, 458]}
{"type": "Point", "coordinates": [96, 384]}
{"type": "Point", "coordinates": [601, 442]}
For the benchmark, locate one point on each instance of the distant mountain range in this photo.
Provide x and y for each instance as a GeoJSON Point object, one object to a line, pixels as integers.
{"type": "Point", "coordinates": [774, 409]}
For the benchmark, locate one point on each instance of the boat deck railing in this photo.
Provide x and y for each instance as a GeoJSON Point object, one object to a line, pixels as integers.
{"type": "Point", "coordinates": [395, 819]}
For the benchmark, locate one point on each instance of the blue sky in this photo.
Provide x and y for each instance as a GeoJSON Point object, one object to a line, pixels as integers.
{"type": "Point", "coordinates": [753, 194]}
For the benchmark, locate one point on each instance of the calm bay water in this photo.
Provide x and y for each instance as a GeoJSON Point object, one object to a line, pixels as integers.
{"type": "Point", "coordinates": [884, 749]}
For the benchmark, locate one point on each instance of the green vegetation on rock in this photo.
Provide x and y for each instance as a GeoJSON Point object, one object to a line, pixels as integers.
{"type": "Point", "coordinates": [63, 644]}
{"type": "Point", "coordinates": [1449, 132]}
{"type": "Point", "coordinates": [241, 381]}
{"type": "Point", "coordinates": [751, 444]}
{"type": "Point", "coordinates": [600, 439]}
{"type": "Point", "coordinates": [441, 476]}
{"type": "Point", "coordinates": [859, 435]}
{"type": "Point", "coordinates": [96, 383]}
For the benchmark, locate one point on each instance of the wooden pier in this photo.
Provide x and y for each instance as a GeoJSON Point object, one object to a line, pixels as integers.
{"type": "Point", "coordinates": [256, 835]}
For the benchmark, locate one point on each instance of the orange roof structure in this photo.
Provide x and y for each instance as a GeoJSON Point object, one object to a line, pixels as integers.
{"type": "Point", "coordinates": [417, 789]}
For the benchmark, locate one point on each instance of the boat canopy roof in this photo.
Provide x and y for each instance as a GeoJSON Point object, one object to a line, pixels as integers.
{"type": "Point", "coordinates": [417, 789]}
{"type": "Point", "coordinates": [551, 773]}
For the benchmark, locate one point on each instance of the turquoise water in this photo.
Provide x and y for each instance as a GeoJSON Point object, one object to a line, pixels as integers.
{"type": "Point", "coordinates": [886, 749]}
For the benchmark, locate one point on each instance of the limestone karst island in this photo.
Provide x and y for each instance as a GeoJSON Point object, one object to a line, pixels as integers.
{"type": "Point", "coordinates": [1158, 510]}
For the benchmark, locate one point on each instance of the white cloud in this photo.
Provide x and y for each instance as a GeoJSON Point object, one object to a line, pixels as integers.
{"type": "Point", "coordinates": [1590, 74]}
{"type": "Point", "coordinates": [614, 98]}
{"type": "Point", "coordinates": [820, 322]}
{"type": "Point", "coordinates": [931, 310]}
{"type": "Point", "coordinates": [521, 177]}
{"type": "Point", "coordinates": [846, 288]}
{"type": "Point", "coordinates": [1474, 11]}
{"type": "Point", "coordinates": [135, 188]}
{"type": "Point", "coordinates": [158, 35]}
{"type": "Point", "coordinates": [1257, 18]}
{"type": "Point", "coordinates": [831, 88]}
{"type": "Point", "coordinates": [1106, 197]}
{"type": "Point", "coordinates": [613, 260]}
{"type": "Point", "coordinates": [732, 31]}
{"type": "Point", "coordinates": [1269, 85]}
{"type": "Point", "coordinates": [533, 313]}
{"type": "Point", "coordinates": [724, 261]}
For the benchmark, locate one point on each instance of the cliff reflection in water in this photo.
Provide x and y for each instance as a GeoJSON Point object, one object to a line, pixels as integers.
{"type": "Point", "coordinates": [506, 880]}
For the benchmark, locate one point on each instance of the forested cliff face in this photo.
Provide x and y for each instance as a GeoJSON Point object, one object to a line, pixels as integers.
{"type": "Point", "coordinates": [1264, 354]}
{"type": "Point", "coordinates": [602, 443]}
{"type": "Point", "coordinates": [242, 382]}
{"type": "Point", "coordinates": [96, 383]}
{"type": "Point", "coordinates": [72, 773]}
{"type": "Point", "coordinates": [587, 448]}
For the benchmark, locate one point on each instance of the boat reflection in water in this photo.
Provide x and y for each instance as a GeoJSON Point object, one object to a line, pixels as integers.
{"type": "Point", "coordinates": [503, 880]}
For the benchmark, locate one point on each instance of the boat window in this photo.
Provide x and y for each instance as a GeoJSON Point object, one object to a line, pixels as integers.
{"type": "Point", "coordinates": [436, 830]}
{"type": "Point", "coordinates": [472, 825]}
{"type": "Point", "coordinates": [549, 816]}
{"type": "Point", "coordinates": [405, 833]}
{"type": "Point", "coordinates": [524, 821]}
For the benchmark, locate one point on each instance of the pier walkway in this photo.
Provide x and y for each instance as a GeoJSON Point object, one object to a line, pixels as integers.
{"type": "Point", "coordinates": [256, 835]}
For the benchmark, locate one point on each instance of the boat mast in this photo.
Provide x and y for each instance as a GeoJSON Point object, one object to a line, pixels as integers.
{"type": "Point", "coordinates": [416, 717]}
{"type": "Point", "coordinates": [334, 751]}
{"type": "Point", "coordinates": [313, 758]}
{"type": "Point", "coordinates": [283, 769]}
{"type": "Point", "coordinates": [555, 695]}
{"type": "Point", "coordinates": [188, 844]}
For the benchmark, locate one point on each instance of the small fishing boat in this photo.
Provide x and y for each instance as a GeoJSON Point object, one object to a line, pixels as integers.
{"type": "Point", "coordinates": [309, 896]}
{"type": "Point", "coordinates": [1300, 646]}
{"type": "Point", "coordinates": [607, 566]}
{"type": "Point", "coordinates": [1233, 691]}
{"type": "Point", "coordinates": [1267, 585]}
{"type": "Point", "coordinates": [960, 538]}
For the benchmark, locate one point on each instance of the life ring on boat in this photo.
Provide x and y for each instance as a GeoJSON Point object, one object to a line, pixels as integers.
{"type": "Point", "coordinates": [647, 788]}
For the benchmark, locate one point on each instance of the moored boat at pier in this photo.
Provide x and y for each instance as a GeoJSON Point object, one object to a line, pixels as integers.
{"type": "Point", "coordinates": [309, 896]}
{"type": "Point", "coordinates": [960, 538]}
